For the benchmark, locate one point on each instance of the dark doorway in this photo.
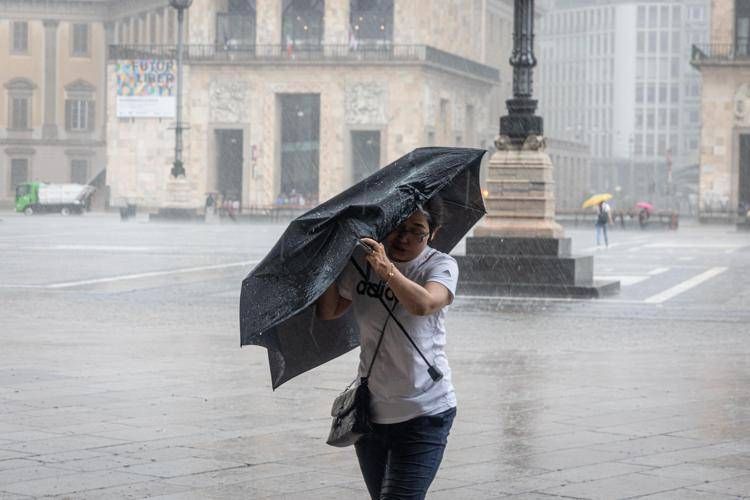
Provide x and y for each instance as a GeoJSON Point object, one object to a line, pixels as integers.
{"type": "Point", "coordinates": [743, 182]}
{"type": "Point", "coordinates": [300, 148]}
{"type": "Point", "coordinates": [365, 153]}
{"type": "Point", "coordinates": [229, 164]}
{"type": "Point", "coordinates": [19, 172]}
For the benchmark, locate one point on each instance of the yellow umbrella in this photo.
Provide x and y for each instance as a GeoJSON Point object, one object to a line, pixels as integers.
{"type": "Point", "coordinates": [596, 199]}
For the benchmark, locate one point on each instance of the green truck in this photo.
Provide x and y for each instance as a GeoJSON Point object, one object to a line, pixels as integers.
{"type": "Point", "coordinates": [66, 199]}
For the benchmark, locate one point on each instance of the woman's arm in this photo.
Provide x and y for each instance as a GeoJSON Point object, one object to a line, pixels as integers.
{"type": "Point", "coordinates": [415, 298]}
{"type": "Point", "coordinates": [331, 305]}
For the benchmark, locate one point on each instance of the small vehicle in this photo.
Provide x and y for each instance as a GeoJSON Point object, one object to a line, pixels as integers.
{"type": "Point", "coordinates": [66, 199]}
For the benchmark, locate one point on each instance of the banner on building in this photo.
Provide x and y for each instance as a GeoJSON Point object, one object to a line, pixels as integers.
{"type": "Point", "coordinates": [146, 88]}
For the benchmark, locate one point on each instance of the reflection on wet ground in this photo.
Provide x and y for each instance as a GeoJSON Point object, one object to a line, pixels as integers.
{"type": "Point", "coordinates": [129, 381]}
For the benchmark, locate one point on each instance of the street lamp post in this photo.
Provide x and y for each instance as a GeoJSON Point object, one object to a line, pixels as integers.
{"type": "Point", "coordinates": [521, 122]}
{"type": "Point", "coordinates": [177, 169]}
{"type": "Point", "coordinates": [519, 248]}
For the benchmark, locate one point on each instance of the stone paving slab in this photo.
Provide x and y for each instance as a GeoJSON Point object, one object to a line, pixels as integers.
{"type": "Point", "coordinates": [143, 391]}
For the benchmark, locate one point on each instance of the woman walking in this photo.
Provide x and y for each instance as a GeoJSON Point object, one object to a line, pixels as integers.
{"type": "Point", "coordinates": [412, 412]}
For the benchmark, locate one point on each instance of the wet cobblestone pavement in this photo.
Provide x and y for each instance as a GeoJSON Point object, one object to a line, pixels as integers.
{"type": "Point", "coordinates": [121, 374]}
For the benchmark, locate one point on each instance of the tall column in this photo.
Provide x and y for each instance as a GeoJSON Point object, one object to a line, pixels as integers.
{"type": "Point", "coordinates": [519, 249]}
{"type": "Point", "coordinates": [521, 199]}
{"type": "Point", "coordinates": [49, 128]}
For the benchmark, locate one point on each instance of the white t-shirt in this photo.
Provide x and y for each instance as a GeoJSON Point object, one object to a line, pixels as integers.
{"type": "Point", "coordinates": [400, 386]}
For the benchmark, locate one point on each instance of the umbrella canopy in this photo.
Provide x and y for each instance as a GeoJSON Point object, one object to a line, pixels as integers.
{"type": "Point", "coordinates": [596, 199]}
{"type": "Point", "coordinates": [278, 296]}
{"type": "Point", "coordinates": [648, 207]}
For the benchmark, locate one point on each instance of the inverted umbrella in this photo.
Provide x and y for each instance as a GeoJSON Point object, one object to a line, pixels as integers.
{"type": "Point", "coordinates": [277, 308]}
{"type": "Point", "coordinates": [596, 199]}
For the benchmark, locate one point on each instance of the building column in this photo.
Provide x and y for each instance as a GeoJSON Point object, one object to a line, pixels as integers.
{"type": "Point", "coordinates": [336, 23]}
{"type": "Point", "coordinates": [49, 128]}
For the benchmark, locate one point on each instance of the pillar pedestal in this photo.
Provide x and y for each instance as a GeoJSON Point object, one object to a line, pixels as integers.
{"type": "Point", "coordinates": [518, 249]}
{"type": "Point", "coordinates": [178, 204]}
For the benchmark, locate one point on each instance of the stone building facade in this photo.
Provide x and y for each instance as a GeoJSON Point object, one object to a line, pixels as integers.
{"type": "Point", "coordinates": [724, 64]}
{"type": "Point", "coordinates": [292, 101]}
{"type": "Point", "coordinates": [52, 99]}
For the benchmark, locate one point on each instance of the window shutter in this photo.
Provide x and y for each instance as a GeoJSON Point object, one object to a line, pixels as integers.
{"type": "Point", "coordinates": [91, 105]}
{"type": "Point", "coordinates": [68, 114]}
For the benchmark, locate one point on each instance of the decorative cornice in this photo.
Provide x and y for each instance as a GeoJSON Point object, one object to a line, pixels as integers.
{"type": "Point", "coordinates": [73, 143]}
{"type": "Point", "coordinates": [80, 152]}
{"type": "Point", "coordinates": [19, 151]}
{"type": "Point", "coordinates": [80, 85]}
{"type": "Point", "coordinates": [20, 83]}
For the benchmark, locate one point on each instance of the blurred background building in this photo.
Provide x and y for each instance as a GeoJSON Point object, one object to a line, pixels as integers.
{"type": "Point", "coordinates": [724, 64]}
{"type": "Point", "coordinates": [616, 75]}
{"type": "Point", "coordinates": [52, 111]}
{"type": "Point", "coordinates": [282, 97]}
{"type": "Point", "coordinates": [294, 100]}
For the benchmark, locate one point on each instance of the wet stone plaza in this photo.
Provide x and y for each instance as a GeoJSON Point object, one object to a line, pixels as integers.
{"type": "Point", "coordinates": [122, 376]}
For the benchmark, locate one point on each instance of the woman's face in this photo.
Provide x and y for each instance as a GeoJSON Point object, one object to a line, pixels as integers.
{"type": "Point", "coordinates": [409, 239]}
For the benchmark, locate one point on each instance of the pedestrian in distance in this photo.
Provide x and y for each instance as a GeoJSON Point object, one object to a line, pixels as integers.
{"type": "Point", "coordinates": [411, 408]}
{"type": "Point", "coordinates": [603, 218]}
{"type": "Point", "coordinates": [643, 217]}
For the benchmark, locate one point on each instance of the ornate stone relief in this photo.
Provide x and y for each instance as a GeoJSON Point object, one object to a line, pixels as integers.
{"type": "Point", "coordinates": [365, 104]}
{"type": "Point", "coordinates": [229, 101]}
{"type": "Point", "coordinates": [742, 105]}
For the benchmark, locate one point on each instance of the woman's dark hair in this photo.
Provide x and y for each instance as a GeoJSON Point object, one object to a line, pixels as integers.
{"type": "Point", "coordinates": [433, 211]}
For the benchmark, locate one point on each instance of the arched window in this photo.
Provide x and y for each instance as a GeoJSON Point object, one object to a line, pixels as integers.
{"type": "Point", "coordinates": [302, 22]}
{"type": "Point", "coordinates": [370, 22]}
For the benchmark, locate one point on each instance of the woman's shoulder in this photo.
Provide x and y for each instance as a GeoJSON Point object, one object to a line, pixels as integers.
{"type": "Point", "coordinates": [436, 257]}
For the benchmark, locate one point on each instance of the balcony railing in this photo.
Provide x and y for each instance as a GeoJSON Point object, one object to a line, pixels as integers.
{"type": "Point", "coordinates": [265, 54]}
{"type": "Point", "coordinates": [717, 53]}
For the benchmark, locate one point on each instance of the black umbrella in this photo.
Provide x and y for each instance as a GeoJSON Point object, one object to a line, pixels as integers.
{"type": "Point", "coordinates": [277, 302]}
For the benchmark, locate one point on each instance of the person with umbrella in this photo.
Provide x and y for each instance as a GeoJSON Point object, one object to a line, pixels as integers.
{"type": "Point", "coordinates": [603, 215]}
{"type": "Point", "coordinates": [411, 409]}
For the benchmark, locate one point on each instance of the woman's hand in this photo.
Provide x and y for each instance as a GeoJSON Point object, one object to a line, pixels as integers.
{"type": "Point", "coordinates": [378, 259]}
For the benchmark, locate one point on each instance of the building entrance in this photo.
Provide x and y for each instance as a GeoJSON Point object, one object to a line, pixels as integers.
{"type": "Point", "coordinates": [365, 153]}
{"type": "Point", "coordinates": [300, 148]}
{"type": "Point", "coordinates": [229, 164]}
{"type": "Point", "coordinates": [743, 181]}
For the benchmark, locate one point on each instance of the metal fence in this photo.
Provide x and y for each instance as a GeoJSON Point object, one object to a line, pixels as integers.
{"type": "Point", "coordinates": [720, 52]}
{"type": "Point", "coordinates": [238, 53]}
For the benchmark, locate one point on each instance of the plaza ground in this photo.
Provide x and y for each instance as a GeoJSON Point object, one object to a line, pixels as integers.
{"type": "Point", "coordinates": [121, 374]}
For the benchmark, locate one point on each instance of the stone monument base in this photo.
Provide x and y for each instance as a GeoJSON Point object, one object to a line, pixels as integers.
{"type": "Point", "coordinates": [178, 206]}
{"type": "Point", "coordinates": [530, 267]}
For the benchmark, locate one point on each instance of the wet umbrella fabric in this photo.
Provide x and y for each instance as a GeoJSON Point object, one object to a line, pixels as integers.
{"type": "Point", "coordinates": [596, 199]}
{"type": "Point", "coordinates": [277, 299]}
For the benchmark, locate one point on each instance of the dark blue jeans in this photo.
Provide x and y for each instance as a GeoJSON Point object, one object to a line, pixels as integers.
{"type": "Point", "coordinates": [399, 461]}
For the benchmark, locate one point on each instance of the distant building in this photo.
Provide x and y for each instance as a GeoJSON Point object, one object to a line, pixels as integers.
{"type": "Point", "coordinates": [52, 100]}
{"type": "Point", "coordinates": [298, 99]}
{"type": "Point", "coordinates": [572, 173]}
{"type": "Point", "coordinates": [615, 74]}
{"type": "Point", "coordinates": [280, 95]}
{"type": "Point", "coordinates": [724, 64]}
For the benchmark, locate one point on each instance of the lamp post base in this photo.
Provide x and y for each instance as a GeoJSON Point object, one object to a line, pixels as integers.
{"type": "Point", "coordinates": [178, 205]}
{"type": "Point", "coordinates": [519, 249]}
{"type": "Point", "coordinates": [529, 267]}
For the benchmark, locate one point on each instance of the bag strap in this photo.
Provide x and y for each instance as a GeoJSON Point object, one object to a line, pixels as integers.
{"type": "Point", "coordinates": [380, 341]}
{"type": "Point", "coordinates": [433, 370]}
